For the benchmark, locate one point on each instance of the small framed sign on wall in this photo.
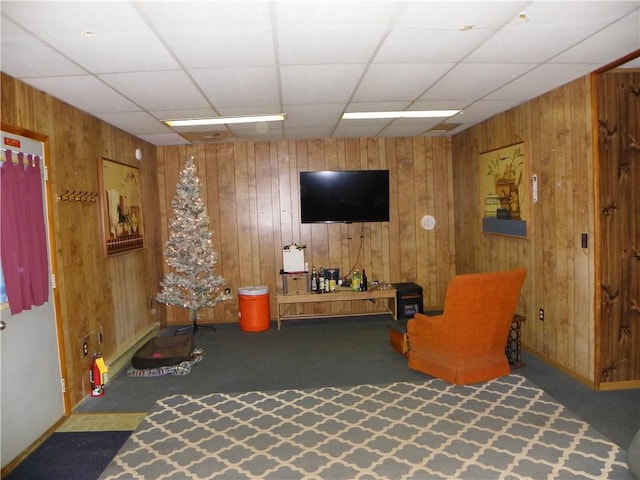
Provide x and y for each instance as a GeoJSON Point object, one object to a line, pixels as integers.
{"type": "Point", "coordinates": [504, 191]}
{"type": "Point", "coordinates": [121, 207]}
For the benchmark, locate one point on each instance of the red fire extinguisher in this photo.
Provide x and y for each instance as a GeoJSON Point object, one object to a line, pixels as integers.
{"type": "Point", "coordinates": [97, 387]}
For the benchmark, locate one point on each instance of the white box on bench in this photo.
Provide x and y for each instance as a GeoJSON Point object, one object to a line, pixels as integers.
{"type": "Point", "coordinates": [293, 259]}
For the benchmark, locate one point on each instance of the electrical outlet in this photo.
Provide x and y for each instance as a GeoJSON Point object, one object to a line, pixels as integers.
{"type": "Point", "coordinates": [85, 348]}
{"type": "Point", "coordinates": [584, 240]}
{"type": "Point", "coordinates": [541, 315]}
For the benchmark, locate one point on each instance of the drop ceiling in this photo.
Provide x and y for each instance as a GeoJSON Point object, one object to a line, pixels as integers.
{"type": "Point", "coordinates": [133, 64]}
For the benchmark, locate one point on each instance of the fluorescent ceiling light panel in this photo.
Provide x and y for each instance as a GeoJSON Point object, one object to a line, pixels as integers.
{"type": "Point", "coordinates": [403, 114]}
{"type": "Point", "coordinates": [191, 122]}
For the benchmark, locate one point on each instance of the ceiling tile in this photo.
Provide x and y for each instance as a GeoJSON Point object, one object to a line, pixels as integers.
{"type": "Point", "coordinates": [376, 106]}
{"type": "Point", "coordinates": [88, 92]}
{"type": "Point", "coordinates": [117, 28]}
{"type": "Point", "coordinates": [433, 31]}
{"type": "Point", "coordinates": [319, 83]}
{"type": "Point", "coordinates": [400, 130]}
{"type": "Point", "coordinates": [453, 15]}
{"type": "Point", "coordinates": [326, 115]}
{"type": "Point", "coordinates": [308, 132]}
{"type": "Point", "coordinates": [182, 114]}
{"type": "Point", "coordinates": [258, 127]}
{"type": "Point", "coordinates": [229, 87]}
{"type": "Point", "coordinates": [259, 131]}
{"type": "Point", "coordinates": [137, 123]}
{"type": "Point", "coordinates": [249, 110]}
{"type": "Point", "coordinates": [539, 81]}
{"type": "Point", "coordinates": [170, 89]}
{"type": "Point", "coordinates": [399, 81]}
{"type": "Point", "coordinates": [481, 110]}
{"type": "Point", "coordinates": [378, 123]}
{"type": "Point", "coordinates": [214, 34]}
{"type": "Point", "coordinates": [356, 131]}
{"type": "Point", "coordinates": [469, 81]}
{"type": "Point", "coordinates": [18, 45]}
{"type": "Point", "coordinates": [412, 44]}
{"type": "Point", "coordinates": [317, 32]}
{"type": "Point", "coordinates": [440, 133]}
{"type": "Point", "coordinates": [418, 123]}
{"type": "Point", "coordinates": [439, 104]}
{"type": "Point", "coordinates": [548, 28]}
{"type": "Point", "coordinates": [610, 43]}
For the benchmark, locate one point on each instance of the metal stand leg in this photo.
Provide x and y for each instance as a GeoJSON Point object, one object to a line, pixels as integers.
{"type": "Point", "coordinates": [195, 328]}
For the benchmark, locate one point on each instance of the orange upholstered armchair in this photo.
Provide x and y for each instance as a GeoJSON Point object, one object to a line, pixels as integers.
{"type": "Point", "coordinates": [466, 344]}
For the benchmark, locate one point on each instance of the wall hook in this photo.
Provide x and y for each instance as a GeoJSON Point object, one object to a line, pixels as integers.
{"type": "Point", "coordinates": [78, 196]}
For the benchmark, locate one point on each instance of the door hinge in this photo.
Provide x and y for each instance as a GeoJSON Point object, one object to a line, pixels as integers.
{"type": "Point", "coordinates": [64, 385]}
{"type": "Point", "coordinates": [53, 280]}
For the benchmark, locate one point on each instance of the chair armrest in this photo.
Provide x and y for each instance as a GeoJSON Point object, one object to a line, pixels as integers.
{"type": "Point", "coordinates": [421, 323]}
{"type": "Point", "coordinates": [430, 333]}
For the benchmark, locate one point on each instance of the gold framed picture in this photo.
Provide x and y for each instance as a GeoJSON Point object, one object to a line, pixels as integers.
{"type": "Point", "coordinates": [504, 191]}
{"type": "Point", "coordinates": [120, 207]}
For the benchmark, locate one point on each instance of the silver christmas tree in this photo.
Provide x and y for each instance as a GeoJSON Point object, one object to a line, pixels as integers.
{"type": "Point", "coordinates": [192, 283]}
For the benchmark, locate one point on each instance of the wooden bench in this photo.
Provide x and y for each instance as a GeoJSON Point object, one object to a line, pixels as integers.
{"type": "Point", "coordinates": [388, 296]}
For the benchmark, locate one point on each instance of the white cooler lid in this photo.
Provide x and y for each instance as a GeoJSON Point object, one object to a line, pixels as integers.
{"type": "Point", "coordinates": [259, 290]}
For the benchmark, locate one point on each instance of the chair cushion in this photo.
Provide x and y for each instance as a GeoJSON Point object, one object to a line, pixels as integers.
{"type": "Point", "coordinates": [164, 351]}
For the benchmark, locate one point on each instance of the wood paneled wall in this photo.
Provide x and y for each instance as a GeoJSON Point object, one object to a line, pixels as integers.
{"type": "Point", "coordinates": [251, 191]}
{"type": "Point", "coordinates": [618, 212]}
{"type": "Point", "coordinates": [252, 197]}
{"type": "Point", "coordinates": [557, 131]}
{"type": "Point", "coordinates": [97, 294]}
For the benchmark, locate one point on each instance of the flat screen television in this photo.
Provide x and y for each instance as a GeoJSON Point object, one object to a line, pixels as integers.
{"type": "Point", "coordinates": [344, 196]}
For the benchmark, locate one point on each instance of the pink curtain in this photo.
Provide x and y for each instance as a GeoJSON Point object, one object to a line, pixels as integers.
{"type": "Point", "coordinates": [22, 233]}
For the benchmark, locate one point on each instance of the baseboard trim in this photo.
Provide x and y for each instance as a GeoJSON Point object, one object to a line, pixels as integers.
{"type": "Point", "coordinates": [584, 380]}
{"type": "Point", "coordinates": [621, 385]}
{"type": "Point", "coordinates": [603, 387]}
{"type": "Point", "coordinates": [123, 358]}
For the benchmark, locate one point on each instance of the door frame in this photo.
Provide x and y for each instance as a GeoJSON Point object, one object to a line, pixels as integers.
{"type": "Point", "coordinates": [599, 383]}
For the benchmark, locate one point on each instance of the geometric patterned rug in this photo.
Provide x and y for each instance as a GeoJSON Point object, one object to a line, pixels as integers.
{"type": "Point", "coordinates": [507, 428]}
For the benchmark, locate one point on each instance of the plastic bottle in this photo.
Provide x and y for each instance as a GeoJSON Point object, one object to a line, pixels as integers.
{"type": "Point", "coordinates": [355, 281]}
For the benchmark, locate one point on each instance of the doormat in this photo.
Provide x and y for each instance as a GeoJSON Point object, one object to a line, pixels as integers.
{"type": "Point", "coordinates": [70, 456]}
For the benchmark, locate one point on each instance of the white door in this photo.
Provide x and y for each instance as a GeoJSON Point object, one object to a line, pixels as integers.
{"type": "Point", "coordinates": [31, 396]}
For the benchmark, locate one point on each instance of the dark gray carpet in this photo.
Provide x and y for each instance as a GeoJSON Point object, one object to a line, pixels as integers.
{"type": "Point", "coordinates": [303, 354]}
{"type": "Point", "coordinates": [338, 352]}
